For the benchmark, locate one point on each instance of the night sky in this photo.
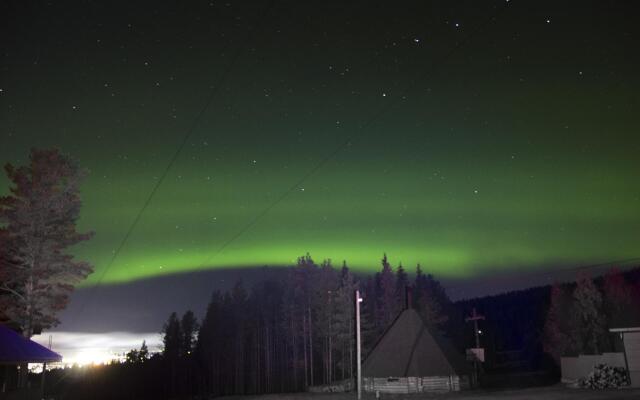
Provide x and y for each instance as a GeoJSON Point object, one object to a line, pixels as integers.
{"type": "Point", "coordinates": [467, 136]}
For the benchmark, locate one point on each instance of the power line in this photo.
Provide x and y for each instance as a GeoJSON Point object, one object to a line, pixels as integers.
{"type": "Point", "coordinates": [185, 139]}
{"type": "Point", "coordinates": [383, 110]}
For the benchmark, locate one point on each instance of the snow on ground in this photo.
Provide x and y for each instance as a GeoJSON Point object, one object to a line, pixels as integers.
{"type": "Point", "coordinates": [546, 393]}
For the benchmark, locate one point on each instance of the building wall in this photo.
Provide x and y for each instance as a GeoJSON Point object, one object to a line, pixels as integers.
{"type": "Point", "coordinates": [632, 349]}
{"type": "Point", "coordinates": [415, 384]}
{"type": "Point", "coordinates": [574, 368]}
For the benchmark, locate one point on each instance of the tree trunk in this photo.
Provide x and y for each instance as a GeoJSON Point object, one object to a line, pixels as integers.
{"type": "Point", "coordinates": [310, 343]}
{"type": "Point", "coordinates": [306, 366]}
{"type": "Point", "coordinates": [294, 354]}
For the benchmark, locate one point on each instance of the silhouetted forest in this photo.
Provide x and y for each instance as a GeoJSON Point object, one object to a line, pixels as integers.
{"type": "Point", "coordinates": [286, 335]}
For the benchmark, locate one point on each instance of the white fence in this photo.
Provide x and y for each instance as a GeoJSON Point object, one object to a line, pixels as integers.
{"type": "Point", "coordinates": [415, 384]}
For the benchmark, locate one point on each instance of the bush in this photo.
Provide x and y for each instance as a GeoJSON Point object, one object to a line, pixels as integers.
{"type": "Point", "coordinates": [605, 376]}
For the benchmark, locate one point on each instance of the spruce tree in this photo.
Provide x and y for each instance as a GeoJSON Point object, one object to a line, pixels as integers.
{"type": "Point", "coordinates": [388, 302]}
{"type": "Point", "coordinates": [172, 338]}
{"type": "Point", "coordinates": [188, 331]}
{"type": "Point", "coordinates": [430, 299]}
{"type": "Point", "coordinates": [344, 320]}
{"type": "Point", "coordinates": [39, 217]}
{"type": "Point", "coordinates": [143, 353]}
{"type": "Point", "coordinates": [556, 336]}
{"type": "Point", "coordinates": [402, 281]}
{"type": "Point", "coordinates": [618, 298]}
{"type": "Point", "coordinates": [588, 320]}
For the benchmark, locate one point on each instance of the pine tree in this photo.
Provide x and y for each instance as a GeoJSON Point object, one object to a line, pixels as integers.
{"type": "Point", "coordinates": [344, 320]}
{"type": "Point", "coordinates": [143, 354]}
{"type": "Point", "coordinates": [238, 316]}
{"type": "Point", "coordinates": [588, 321]}
{"type": "Point", "coordinates": [172, 338]}
{"type": "Point", "coordinates": [556, 336]}
{"type": "Point", "coordinates": [618, 298]}
{"type": "Point", "coordinates": [132, 357]}
{"type": "Point", "coordinates": [138, 356]}
{"type": "Point", "coordinates": [419, 285]}
{"type": "Point", "coordinates": [293, 307]}
{"type": "Point", "coordinates": [324, 307]}
{"type": "Point", "coordinates": [36, 271]}
{"type": "Point", "coordinates": [387, 300]}
{"type": "Point", "coordinates": [188, 331]}
{"type": "Point", "coordinates": [306, 285]}
{"type": "Point", "coordinates": [369, 315]}
{"type": "Point", "coordinates": [402, 282]}
{"type": "Point", "coordinates": [430, 299]}
{"type": "Point", "coordinates": [209, 343]}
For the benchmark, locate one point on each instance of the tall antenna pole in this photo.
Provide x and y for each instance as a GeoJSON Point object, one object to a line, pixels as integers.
{"type": "Point", "coordinates": [475, 317]}
{"type": "Point", "coordinates": [358, 346]}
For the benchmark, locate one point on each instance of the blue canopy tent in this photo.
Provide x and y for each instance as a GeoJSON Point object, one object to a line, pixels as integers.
{"type": "Point", "coordinates": [16, 349]}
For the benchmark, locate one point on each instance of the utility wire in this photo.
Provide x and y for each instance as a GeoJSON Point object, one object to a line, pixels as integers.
{"type": "Point", "coordinates": [383, 110]}
{"type": "Point", "coordinates": [185, 139]}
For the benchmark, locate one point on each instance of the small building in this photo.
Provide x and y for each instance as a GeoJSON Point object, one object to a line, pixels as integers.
{"type": "Point", "coordinates": [631, 351]}
{"type": "Point", "coordinates": [411, 358]}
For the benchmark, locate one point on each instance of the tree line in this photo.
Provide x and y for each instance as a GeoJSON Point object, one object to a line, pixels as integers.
{"type": "Point", "coordinates": [262, 339]}
{"type": "Point", "coordinates": [287, 335]}
{"type": "Point", "coordinates": [529, 330]}
{"type": "Point", "coordinates": [580, 315]}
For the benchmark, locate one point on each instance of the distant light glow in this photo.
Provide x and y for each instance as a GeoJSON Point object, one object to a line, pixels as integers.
{"type": "Point", "coordinates": [82, 348]}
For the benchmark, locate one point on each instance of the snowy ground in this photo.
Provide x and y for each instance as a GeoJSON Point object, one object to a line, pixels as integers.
{"type": "Point", "coordinates": [546, 393]}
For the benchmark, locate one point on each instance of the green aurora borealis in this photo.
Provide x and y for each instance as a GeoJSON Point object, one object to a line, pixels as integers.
{"type": "Point", "coordinates": [512, 154]}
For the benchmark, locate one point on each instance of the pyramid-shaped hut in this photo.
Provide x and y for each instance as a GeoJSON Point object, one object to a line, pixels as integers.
{"type": "Point", "coordinates": [411, 358]}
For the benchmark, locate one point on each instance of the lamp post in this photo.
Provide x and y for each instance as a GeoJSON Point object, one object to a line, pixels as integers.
{"type": "Point", "coordinates": [358, 351]}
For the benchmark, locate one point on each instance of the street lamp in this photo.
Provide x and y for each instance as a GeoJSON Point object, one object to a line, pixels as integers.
{"type": "Point", "coordinates": [358, 347]}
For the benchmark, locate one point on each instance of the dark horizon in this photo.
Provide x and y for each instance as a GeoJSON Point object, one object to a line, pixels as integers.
{"type": "Point", "coordinates": [119, 307]}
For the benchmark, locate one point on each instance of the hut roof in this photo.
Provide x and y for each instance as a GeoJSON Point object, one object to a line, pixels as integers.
{"type": "Point", "coordinates": [16, 349]}
{"type": "Point", "coordinates": [410, 348]}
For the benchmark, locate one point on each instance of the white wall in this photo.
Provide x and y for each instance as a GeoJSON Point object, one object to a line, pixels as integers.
{"type": "Point", "coordinates": [632, 348]}
{"type": "Point", "coordinates": [574, 368]}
